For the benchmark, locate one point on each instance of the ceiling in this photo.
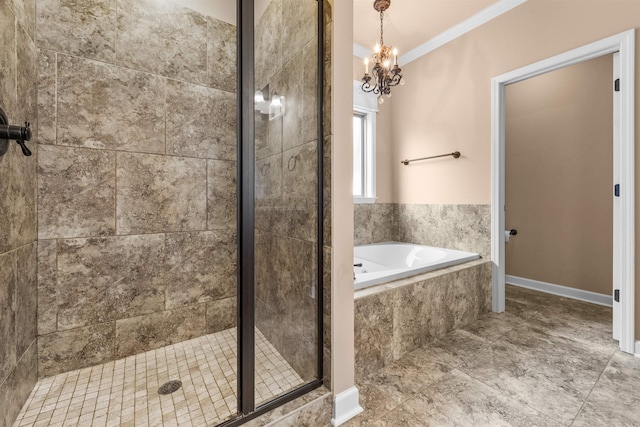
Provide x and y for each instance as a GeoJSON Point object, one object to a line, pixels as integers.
{"type": "Point", "coordinates": [410, 23]}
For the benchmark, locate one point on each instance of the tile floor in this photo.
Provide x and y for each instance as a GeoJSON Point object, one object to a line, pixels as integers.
{"type": "Point", "coordinates": [124, 392]}
{"type": "Point", "coordinates": [547, 361]}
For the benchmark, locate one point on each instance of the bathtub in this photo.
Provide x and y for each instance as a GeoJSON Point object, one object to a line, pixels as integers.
{"type": "Point", "coordinates": [384, 262]}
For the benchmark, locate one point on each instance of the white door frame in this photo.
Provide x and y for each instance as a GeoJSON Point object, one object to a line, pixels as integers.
{"type": "Point", "coordinates": [624, 238]}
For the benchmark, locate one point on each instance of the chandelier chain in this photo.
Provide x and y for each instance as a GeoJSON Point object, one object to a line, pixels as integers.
{"type": "Point", "coordinates": [381, 29]}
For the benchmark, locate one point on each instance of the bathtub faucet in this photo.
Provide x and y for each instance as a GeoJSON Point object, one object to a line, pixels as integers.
{"type": "Point", "coordinates": [354, 273]}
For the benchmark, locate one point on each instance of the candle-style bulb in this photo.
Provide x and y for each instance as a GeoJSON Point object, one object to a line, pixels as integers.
{"type": "Point", "coordinates": [366, 65]}
{"type": "Point", "coordinates": [395, 56]}
{"type": "Point", "coordinates": [377, 48]}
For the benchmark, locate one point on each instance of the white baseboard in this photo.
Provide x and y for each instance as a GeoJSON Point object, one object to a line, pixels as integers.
{"type": "Point", "coordinates": [346, 405]}
{"type": "Point", "coordinates": [563, 291]}
{"type": "Point", "coordinates": [638, 348]}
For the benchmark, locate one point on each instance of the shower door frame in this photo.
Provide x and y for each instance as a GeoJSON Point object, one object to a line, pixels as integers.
{"type": "Point", "coordinates": [246, 219]}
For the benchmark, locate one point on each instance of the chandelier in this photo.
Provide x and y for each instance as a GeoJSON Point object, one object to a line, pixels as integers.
{"type": "Point", "coordinates": [383, 76]}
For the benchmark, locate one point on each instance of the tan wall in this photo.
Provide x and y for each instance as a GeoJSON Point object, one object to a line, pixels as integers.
{"type": "Point", "coordinates": [384, 142]}
{"type": "Point", "coordinates": [559, 169]}
{"type": "Point", "coordinates": [446, 102]}
{"type": "Point", "coordinates": [342, 315]}
{"type": "Point", "coordinates": [384, 153]}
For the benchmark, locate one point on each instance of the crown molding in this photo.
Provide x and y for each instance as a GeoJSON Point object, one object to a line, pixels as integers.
{"type": "Point", "coordinates": [460, 29]}
{"type": "Point", "coordinates": [452, 33]}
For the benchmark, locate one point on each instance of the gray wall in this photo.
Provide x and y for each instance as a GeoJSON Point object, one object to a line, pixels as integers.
{"type": "Point", "coordinates": [18, 287]}
{"type": "Point", "coordinates": [137, 179]}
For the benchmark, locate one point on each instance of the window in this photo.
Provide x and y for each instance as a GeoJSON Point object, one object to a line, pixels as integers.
{"type": "Point", "coordinates": [358, 150]}
{"type": "Point", "coordinates": [364, 146]}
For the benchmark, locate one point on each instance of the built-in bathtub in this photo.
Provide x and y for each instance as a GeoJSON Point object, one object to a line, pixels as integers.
{"type": "Point", "coordinates": [397, 312]}
{"type": "Point", "coordinates": [383, 262]}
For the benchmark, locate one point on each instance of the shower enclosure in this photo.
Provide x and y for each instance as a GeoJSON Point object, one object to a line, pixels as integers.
{"type": "Point", "coordinates": [282, 195]}
{"type": "Point", "coordinates": [179, 202]}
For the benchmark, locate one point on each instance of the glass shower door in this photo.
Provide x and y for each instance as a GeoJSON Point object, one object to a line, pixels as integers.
{"type": "Point", "coordinates": [286, 197]}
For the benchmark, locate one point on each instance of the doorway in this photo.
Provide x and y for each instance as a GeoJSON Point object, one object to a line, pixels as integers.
{"type": "Point", "coordinates": [559, 180]}
{"type": "Point", "coordinates": [622, 46]}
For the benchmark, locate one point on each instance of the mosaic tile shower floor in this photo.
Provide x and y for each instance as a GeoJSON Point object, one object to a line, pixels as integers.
{"type": "Point", "coordinates": [125, 392]}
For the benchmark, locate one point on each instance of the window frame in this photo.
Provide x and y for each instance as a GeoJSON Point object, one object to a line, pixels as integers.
{"type": "Point", "coordinates": [365, 105]}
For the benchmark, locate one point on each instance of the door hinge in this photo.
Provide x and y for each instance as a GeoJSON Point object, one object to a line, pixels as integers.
{"type": "Point", "coordinates": [616, 85]}
{"type": "Point", "coordinates": [616, 295]}
{"type": "Point", "coordinates": [616, 190]}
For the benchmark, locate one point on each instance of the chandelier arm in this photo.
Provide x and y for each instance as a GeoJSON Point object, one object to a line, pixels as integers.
{"type": "Point", "coordinates": [367, 87]}
{"type": "Point", "coordinates": [395, 80]}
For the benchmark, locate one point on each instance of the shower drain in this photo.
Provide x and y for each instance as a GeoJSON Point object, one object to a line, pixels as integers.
{"type": "Point", "coordinates": [169, 387]}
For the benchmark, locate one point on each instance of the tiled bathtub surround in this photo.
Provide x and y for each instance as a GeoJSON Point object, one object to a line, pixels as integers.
{"type": "Point", "coordinates": [136, 179]}
{"type": "Point", "coordinates": [414, 311]}
{"type": "Point", "coordinates": [286, 183]}
{"type": "Point", "coordinates": [394, 319]}
{"type": "Point", "coordinates": [461, 227]}
{"type": "Point", "coordinates": [18, 286]}
{"type": "Point", "coordinates": [375, 223]}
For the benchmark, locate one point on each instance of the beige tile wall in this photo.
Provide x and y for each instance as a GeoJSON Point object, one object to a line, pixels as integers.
{"type": "Point", "coordinates": [375, 223]}
{"type": "Point", "coordinates": [461, 227]}
{"type": "Point", "coordinates": [136, 179]}
{"type": "Point", "coordinates": [18, 287]}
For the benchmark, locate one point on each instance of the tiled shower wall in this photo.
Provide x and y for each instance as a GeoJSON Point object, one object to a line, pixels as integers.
{"type": "Point", "coordinates": [286, 180]}
{"type": "Point", "coordinates": [461, 227]}
{"type": "Point", "coordinates": [136, 179]}
{"type": "Point", "coordinates": [18, 287]}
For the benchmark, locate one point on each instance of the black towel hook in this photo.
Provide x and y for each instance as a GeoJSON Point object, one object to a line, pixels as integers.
{"type": "Point", "coordinates": [18, 133]}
